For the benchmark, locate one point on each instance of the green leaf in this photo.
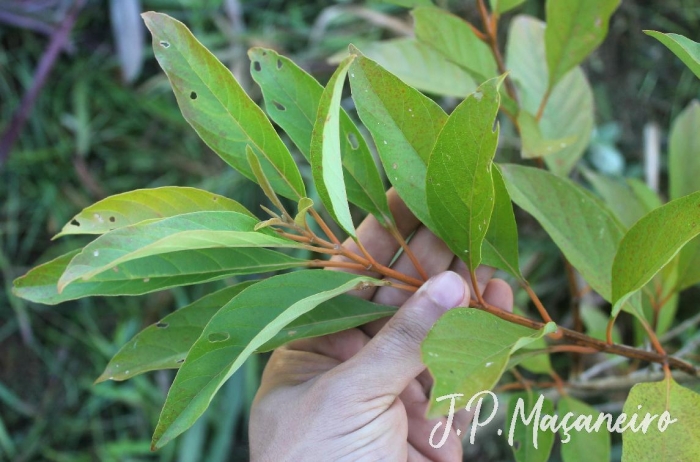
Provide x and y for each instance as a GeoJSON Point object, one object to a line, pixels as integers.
{"type": "Point", "coordinates": [687, 50]}
{"type": "Point", "coordinates": [503, 6]}
{"type": "Point", "coordinates": [596, 323]}
{"type": "Point", "coordinates": [404, 124]}
{"type": "Point", "coordinates": [689, 265]}
{"type": "Point", "coordinates": [574, 29]}
{"type": "Point", "coordinates": [193, 231]}
{"type": "Point", "coordinates": [146, 204]}
{"type": "Point", "coordinates": [421, 67]}
{"type": "Point", "coordinates": [646, 195]}
{"type": "Point", "coordinates": [619, 196]}
{"type": "Point", "coordinates": [679, 440]}
{"type": "Point", "coordinates": [500, 248]}
{"type": "Point", "coordinates": [243, 325]}
{"type": "Point", "coordinates": [524, 409]}
{"type": "Point", "coordinates": [582, 445]}
{"type": "Point", "coordinates": [578, 223]}
{"type": "Point", "coordinates": [459, 186]}
{"type": "Point", "coordinates": [683, 149]}
{"type": "Point", "coordinates": [292, 98]}
{"type": "Point", "coordinates": [217, 107]}
{"type": "Point", "coordinates": [150, 274]}
{"type": "Point", "coordinates": [325, 158]}
{"type": "Point", "coordinates": [305, 204]}
{"type": "Point", "coordinates": [467, 351]}
{"type": "Point", "coordinates": [569, 110]}
{"type": "Point", "coordinates": [262, 179]}
{"type": "Point", "coordinates": [453, 37]}
{"type": "Point", "coordinates": [651, 243]}
{"type": "Point", "coordinates": [164, 345]}
{"type": "Point", "coordinates": [533, 142]}
{"type": "Point", "coordinates": [409, 3]}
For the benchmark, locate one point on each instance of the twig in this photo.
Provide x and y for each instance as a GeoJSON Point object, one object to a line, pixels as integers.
{"type": "Point", "coordinates": [492, 36]}
{"type": "Point", "coordinates": [324, 226]}
{"type": "Point", "coordinates": [407, 250]}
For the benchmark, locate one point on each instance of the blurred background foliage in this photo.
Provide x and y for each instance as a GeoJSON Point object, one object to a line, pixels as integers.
{"type": "Point", "coordinates": [106, 122]}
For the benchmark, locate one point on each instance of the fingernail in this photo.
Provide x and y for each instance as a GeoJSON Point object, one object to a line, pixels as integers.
{"type": "Point", "coordinates": [446, 289]}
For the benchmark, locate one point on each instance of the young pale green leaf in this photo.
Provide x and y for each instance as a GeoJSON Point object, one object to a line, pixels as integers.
{"type": "Point", "coordinates": [533, 143]}
{"type": "Point", "coordinates": [192, 231]}
{"type": "Point", "coordinates": [146, 204]}
{"type": "Point", "coordinates": [574, 29]}
{"type": "Point", "coordinates": [236, 331]}
{"type": "Point", "coordinates": [459, 185]}
{"type": "Point", "coordinates": [454, 38]}
{"type": "Point", "coordinates": [683, 149]}
{"type": "Point", "coordinates": [467, 351]}
{"type": "Point", "coordinates": [150, 274]}
{"type": "Point", "coordinates": [651, 243]}
{"type": "Point", "coordinates": [218, 108]}
{"type": "Point", "coordinates": [569, 110]}
{"type": "Point", "coordinates": [421, 67]}
{"type": "Point", "coordinates": [687, 50]}
{"type": "Point", "coordinates": [404, 124]}
{"type": "Point", "coordinates": [261, 179]}
{"type": "Point", "coordinates": [305, 204]}
{"type": "Point", "coordinates": [578, 223]}
{"type": "Point", "coordinates": [326, 165]}
{"type": "Point", "coordinates": [164, 345]}
{"type": "Point", "coordinates": [529, 442]}
{"type": "Point", "coordinates": [503, 6]}
{"type": "Point", "coordinates": [679, 440]}
{"type": "Point", "coordinates": [582, 445]}
{"type": "Point", "coordinates": [292, 98]}
{"type": "Point", "coordinates": [500, 248]}
{"type": "Point", "coordinates": [619, 196]}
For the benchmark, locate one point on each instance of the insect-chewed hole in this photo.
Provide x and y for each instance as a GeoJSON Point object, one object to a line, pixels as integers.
{"type": "Point", "coordinates": [279, 64]}
{"type": "Point", "coordinates": [164, 44]}
{"type": "Point", "coordinates": [354, 142]}
{"type": "Point", "coordinates": [257, 66]}
{"type": "Point", "coordinates": [112, 219]}
{"type": "Point", "coordinates": [279, 106]}
{"type": "Point", "coordinates": [218, 337]}
{"type": "Point", "coordinates": [193, 95]}
{"type": "Point", "coordinates": [162, 325]}
{"type": "Point", "coordinates": [75, 222]}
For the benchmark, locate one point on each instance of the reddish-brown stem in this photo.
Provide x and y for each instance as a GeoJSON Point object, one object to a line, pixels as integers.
{"type": "Point", "coordinates": [558, 382]}
{"type": "Point", "coordinates": [491, 27]}
{"type": "Point", "coordinates": [524, 386]}
{"type": "Point", "coordinates": [475, 287]}
{"type": "Point", "coordinates": [327, 231]}
{"type": "Point", "coordinates": [609, 330]}
{"type": "Point", "coordinates": [537, 302]}
{"type": "Point", "coordinates": [407, 250]}
{"type": "Point", "coordinates": [335, 264]}
{"type": "Point", "coordinates": [571, 349]}
{"type": "Point", "coordinates": [404, 287]}
{"type": "Point", "coordinates": [652, 337]}
{"type": "Point", "coordinates": [480, 35]}
{"type": "Point", "coordinates": [543, 104]}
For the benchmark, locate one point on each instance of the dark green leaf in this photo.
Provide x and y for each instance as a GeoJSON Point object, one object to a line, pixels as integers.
{"type": "Point", "coordinates": [687, 50]}
{"type": "Point", "coordinates": [292, 97]}
{"type": "Point", "coordinates": [459, 184]}
{"type": "Point", "coordinates": [217, 107]}
{"type": "Point", "coordinates": [243, 325]}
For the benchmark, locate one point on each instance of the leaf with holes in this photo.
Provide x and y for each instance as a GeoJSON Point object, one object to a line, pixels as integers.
{"type": "Point", "coordinates": [467, 351]}
{"type": "Point", "coordinates": [574, 29]}
{"type": "Point", "coordinates": [454, 38]}
{"type": "Point", "coordinates": [326, 165]}
{"type": "Point", "coordinates": [242, 326]}
{"type": "Point", "coordinates": [459, 184]}
{"type": "Point", "coordinates": [217, 107]}
{"type": "Point", "coordinates": [651, 244]}
{"type": "Point", "coordinates": [580, 446]}
{"type": "Point", "coordinates": [673, 434]}
{"type": "Point", "coordinates": [687, 50]}
{"type": "Point", "coordinates": [569, 110]}
{"type": "Point", "coordinates": [164, 345]}
{"type": "Point", "coordinates": [146, 204]}
{"type": "Point", "coordinates": [528, 442]}
{"type": "Point", "coordinates": [193, 231]}
{"type": "Point", "coordinates": [292, 98]}
{"type": "Point", "coordinates": [150, 274]}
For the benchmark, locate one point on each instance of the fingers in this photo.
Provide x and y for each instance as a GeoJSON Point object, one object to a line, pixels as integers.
{"type": "Point", "coordinates": [483, 274]}
{"type": "Point", "coordinates": [340, 346]}
{"type": "Point", "coordinates": [392, 359]}
{"type": "Point", "coordinates": [499, 294]}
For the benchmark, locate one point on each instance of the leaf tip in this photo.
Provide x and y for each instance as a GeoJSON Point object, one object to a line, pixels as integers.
{"type": "Point", "coordinates": [353, 50]}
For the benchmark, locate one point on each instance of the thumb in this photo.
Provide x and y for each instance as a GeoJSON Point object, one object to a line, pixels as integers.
{"type": "Point", "coordinates": [388, 363]}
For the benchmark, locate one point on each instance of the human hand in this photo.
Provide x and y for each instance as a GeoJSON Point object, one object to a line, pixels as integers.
{"type": "Point", "coordinates": [362, 394]}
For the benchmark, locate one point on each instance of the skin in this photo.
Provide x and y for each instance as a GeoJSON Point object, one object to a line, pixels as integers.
{"type": "Point", "coordinates": [362, 394]}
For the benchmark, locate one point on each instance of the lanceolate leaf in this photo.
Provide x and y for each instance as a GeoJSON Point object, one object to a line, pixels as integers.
{"type": "Point", "coordinates": [292, 97]}
{"type": "Point", "coordinates": [679, 440]}
{"type": "Point", "coordinates": [689, 264]}
{"type": "Point", "coordinates": [404, 124]}
{"type": "Point", "coordinates": [325, 159]}
{"type": "Point", "coordinates": [569, 110]}
{"type": "Point", "coordinates": [683, 157]}
{"type": "Point", "coordinates": [193, 231]}
{"type": "Point", "coordinates": [217, 107]}
{"type": "Point", "coordinates": [583, 445]}
{"type": "Point", "coordinates": [574, 29]}
{"type": "Point", "coordinates": [459, 185]}
{"type": "Point", "coordinates": [150, 274]}
{"type": "Point", "coordinates": [467, 351]}
{"type": "Point", "coordinates": [651, 243]}
{"type": "Point", "coordinates": [501, 243]}
{"type": "Point", "coordinates": [687, 50]}
{"type": "Point", "coordinates": [619, 196]}
{"type": "Point", "coordinates": [242, 326]}
{"type": "Point", "coordinates": [533, 143]}
{"type": "Point", "coordinates": [145, 204]}
{"type": "Point", "coordinates": [164, 345]}
{"type": "Point", "coordinates": [452, 37]}
{"type": "Point", "coordinates": [578, 223]}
